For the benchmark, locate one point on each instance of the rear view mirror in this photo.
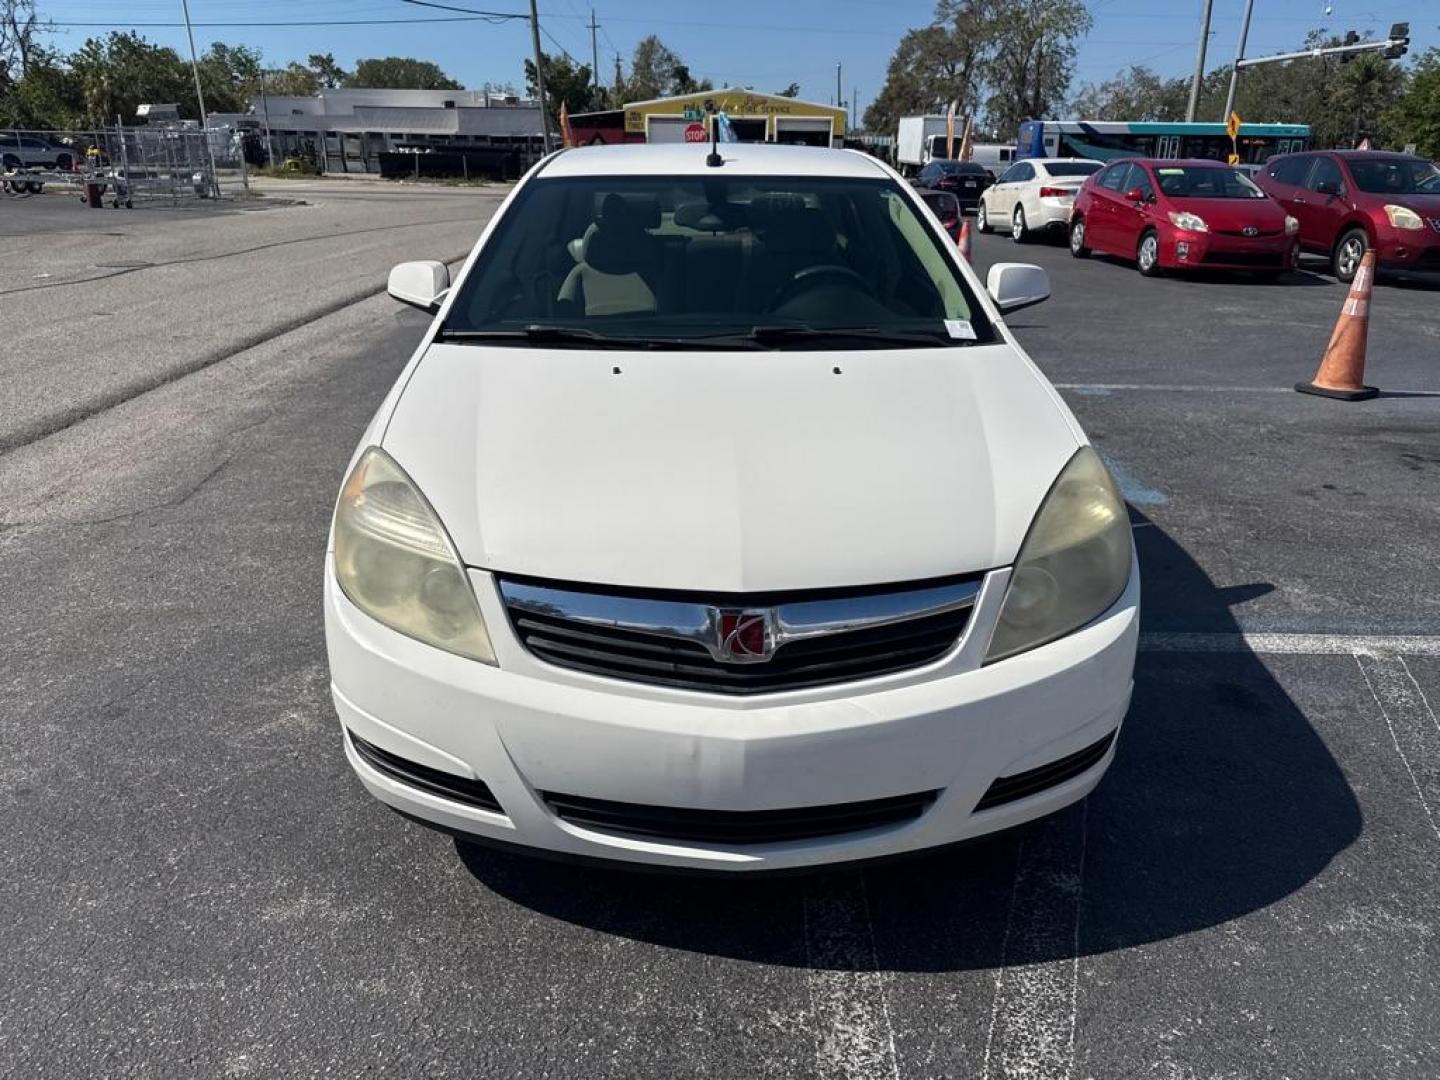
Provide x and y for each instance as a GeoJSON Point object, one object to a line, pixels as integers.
{"type": "Point", "coordinates": [421, 284]}
{"type": "Point", "coordinates": [1136, 195]}
{"type": "Point", "coordinates": [1327, 187]}
{"type": "Point", "coordinates": [1017, 285]}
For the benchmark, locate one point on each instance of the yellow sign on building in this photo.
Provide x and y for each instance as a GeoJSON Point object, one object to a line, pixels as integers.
{"type": "Point", "coordinates": [785, 119]}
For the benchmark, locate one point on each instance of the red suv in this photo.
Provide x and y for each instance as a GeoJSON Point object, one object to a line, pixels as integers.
{"type": "Point", "coordinates": [1348, 201]}
{"type": "Point", "coordinates": [1170, 215]}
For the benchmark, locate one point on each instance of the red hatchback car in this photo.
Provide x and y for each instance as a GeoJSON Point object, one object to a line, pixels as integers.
{"type": "Point", "coordinates": [1348, 201]}
{"type": "Point", "coordinates": [1172, 215]}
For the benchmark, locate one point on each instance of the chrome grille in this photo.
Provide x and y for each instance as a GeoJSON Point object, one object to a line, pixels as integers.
{"type": "Point", "coordinates": [684, 641]}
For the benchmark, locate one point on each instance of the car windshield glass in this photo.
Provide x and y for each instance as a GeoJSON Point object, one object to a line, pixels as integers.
{"type": "Point", "coordinates": [1206, 182]}
{"type": "Point", "coordinates": [1072, 168]}
{"type": "Point", "coordinates": [667, 259]}
{"type": "Point", "coordinates": [1395, 176]}
{"type": "Point", "coordinates": [959, 167]}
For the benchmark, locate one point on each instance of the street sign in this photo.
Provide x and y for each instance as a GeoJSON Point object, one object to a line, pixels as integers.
{"type": "Point", "coordinates": [1232, 126]}
{"type": "Point", "coordinates": [1410, 148]}
{"type": "Point", "coordinates": [1233, 159]}
{"type": "Point", "coordinates": [695, 133]}
{"type": "Point", "coordinates": [693, 114]}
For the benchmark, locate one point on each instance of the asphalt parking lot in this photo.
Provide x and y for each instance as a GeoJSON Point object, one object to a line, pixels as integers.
{"type": "Point", "coordinates": [193, 884]}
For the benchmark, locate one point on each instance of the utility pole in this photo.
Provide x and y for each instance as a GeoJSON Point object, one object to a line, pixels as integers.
{"type": "Point", "coordinates": [854, 107]}
{"type": "Point", "coordinates": [265, 109]}
{"type": "Point", "coordinates": [839, 104]}
{"type": "Point", "coordinates": [200, 97]}
{"type": "Point", "coordinates": [1239, 56]}
{"type": "Point", "coordinates": [1200, 65]}
{"type": "Point", "coordinates": [594, 52]}
{"type": "Point", "coordinates": [539, 77]}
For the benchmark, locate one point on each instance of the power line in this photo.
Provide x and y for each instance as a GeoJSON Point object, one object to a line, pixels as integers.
{"type": "Point", "coordinates": [267, 23]}
{"type": "Point", "coordinates": [495, 16]}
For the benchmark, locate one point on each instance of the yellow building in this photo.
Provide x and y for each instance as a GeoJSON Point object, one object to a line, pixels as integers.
{"type": "Point", "coordinates": [755, 118]}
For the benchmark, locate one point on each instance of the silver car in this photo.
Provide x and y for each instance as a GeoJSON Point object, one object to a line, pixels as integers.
{"type": "Point", "coordinates": [31, 151]}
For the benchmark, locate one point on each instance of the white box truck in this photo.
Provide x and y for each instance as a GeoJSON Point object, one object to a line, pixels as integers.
{"type": "Point", "coordinates": [915, 142]}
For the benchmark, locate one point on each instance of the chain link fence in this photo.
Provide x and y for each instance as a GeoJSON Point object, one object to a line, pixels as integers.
{"type": "Point", "coordinates": [174, 164]}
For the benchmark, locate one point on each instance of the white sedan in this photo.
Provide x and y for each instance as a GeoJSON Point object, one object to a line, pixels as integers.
{"type": "Point", "coordinates": [1034, 196]}
{"type": "Point", "coordinates": [718, 522]}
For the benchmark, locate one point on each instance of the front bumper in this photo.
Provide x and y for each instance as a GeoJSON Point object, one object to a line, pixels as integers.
{"type": "Point", "coordinates": [1409, 249]}
{"type": "Point", "coordinates": [1181, 249]}
{"type": "Point", "coordinates": [524, 729]}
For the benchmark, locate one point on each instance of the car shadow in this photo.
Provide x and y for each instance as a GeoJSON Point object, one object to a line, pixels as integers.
{"type": "Point", "coordinates": [1221, 801]}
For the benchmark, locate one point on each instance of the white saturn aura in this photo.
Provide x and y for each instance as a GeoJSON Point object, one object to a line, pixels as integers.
{"type": "Point", "coordinates": [719, 523]}
{"type": "Point", "coordinates": [1033, 196]}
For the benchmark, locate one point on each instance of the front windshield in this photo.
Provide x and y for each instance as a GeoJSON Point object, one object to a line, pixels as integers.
{"type": "Point", "coordinates": [1206, 182]}
{"type": "Point", "coordinates": [1395, 176]}
{"type": "Point", "coordinates": [668, 260]}
{"type": "Point", "coordinates": [1072, 168]}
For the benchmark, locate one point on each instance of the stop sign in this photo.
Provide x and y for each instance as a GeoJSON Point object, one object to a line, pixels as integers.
{"type": "Point", "coordinates": [695, 133]}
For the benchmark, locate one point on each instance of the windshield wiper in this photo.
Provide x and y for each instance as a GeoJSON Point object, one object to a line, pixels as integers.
{"type": "Point", "coordinates": [545, 334]}
{"type": "Point", "coordinates": [784, 334]}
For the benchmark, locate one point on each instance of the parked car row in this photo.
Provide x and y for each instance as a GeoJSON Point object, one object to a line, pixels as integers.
{"type": "Point", "coordinates": [1168, 215]}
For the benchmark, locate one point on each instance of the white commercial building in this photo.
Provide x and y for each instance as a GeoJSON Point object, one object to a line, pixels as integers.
{"type": "Point", "coordinates": [346, 130]}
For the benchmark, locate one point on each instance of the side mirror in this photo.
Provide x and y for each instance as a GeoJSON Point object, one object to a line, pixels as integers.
{"type": "Point", "coordinates": [1017, 285]}
{"type": "Point", "coordinates": [1327, 187]}
{"type": "Point", "coordinates": [1136, 195]}
{"type": "Point", "coordinates": [420, 284]}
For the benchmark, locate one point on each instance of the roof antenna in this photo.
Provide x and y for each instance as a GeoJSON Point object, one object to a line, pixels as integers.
{"type": "Point", "coordinates": [713, 159]}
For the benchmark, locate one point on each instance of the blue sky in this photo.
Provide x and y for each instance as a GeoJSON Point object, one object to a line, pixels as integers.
{"type": "Point", "coordinates": [764, 43]}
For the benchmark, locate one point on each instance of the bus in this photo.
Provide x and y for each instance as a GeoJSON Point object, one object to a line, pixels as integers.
{"type": "Point", "coordinates": [1102, 140]}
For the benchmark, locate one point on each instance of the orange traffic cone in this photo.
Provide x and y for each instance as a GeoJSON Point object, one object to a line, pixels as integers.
{"type": "Point", "coordinates": [964, 241]}
{"type": "Point", "coordinates": [1342, 368]}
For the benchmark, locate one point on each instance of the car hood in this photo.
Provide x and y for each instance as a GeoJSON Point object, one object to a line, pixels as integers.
{"type": "Point", "coordinates": [734, 471]}
{"type": "Point", "coordinates": [1232, 215]}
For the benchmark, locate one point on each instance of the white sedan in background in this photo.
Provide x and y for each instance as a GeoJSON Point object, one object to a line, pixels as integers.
{"type": "Point", "coordinates": [1033, 196]}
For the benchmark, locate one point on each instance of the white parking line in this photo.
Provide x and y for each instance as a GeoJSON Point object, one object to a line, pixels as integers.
{"type": "Point", "coordinates": [1032, 1018]}
{"type": "Point", "coordinates": [1413, 727]}
{"type": "Point", "coordinates": [854, 1037]}
{"type": "Point", "coordinates": [1294, 644]}
{"type": "Point", "coordinates": [1094, 388]}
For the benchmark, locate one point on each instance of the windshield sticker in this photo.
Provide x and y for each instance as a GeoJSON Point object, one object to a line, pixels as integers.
{"type": "Point", "coordinates": [960, 329]}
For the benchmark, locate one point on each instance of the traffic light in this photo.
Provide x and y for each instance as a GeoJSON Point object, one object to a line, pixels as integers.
{"type": "Point", "coordinates": [1399, 41]}
{"type": "Point", "coordinates": [1351, 38]}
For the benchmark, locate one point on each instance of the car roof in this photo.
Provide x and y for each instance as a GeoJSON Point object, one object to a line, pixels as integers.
{"type": "Point", "coordinates": [688, 159]}
{"type": "Point", "coordinates": [1390, 155]}
{"type": "Point", "coordinates": [1059, 160]}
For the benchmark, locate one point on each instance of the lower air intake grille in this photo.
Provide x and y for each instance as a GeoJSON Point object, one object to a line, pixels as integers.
{"type": "Point", "coordinates": [738, 826]}
{"type": "Point", "coordinates": [446, 785]}
{"type": "Point", "coordinates": [1033, 781]}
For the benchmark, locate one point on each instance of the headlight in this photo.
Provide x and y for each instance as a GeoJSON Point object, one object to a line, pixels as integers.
{"type": "Point", "coordinates": [396, 564]}
{"type": "Point", "coordinates": [1291, 226]}
{"type": "Point", "coordinates": [1183, 219]}
{"type": "Point", "coordinates": [1402, 217]}
{"type": "Point", "coordinates": [1074, 563]}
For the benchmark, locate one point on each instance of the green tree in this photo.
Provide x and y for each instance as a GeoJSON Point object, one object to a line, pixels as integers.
{"type": "Point", "coordinates": [293, 80]}
{"type": "Point", "coordinates": [1135, 94]}
{"type": "Point", "coordinates": [1032, 59]}
{"type": "Point", "coordinates": [564, 83]}
{"type": "Point", "coordinates": [400, 73]}
{"type": "Point", "coordinates": [656, 71]}
{"type": "Point", "coordinates": [229, 75]}
{"type": "Point", "coordinates": [116, 73]}
{"type": "Point", "coordinates": [791, 91]}
{"type": "Point", "coordinates": [1415, 115]}
{"type": "Point", "coordinates": [327, 72]}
